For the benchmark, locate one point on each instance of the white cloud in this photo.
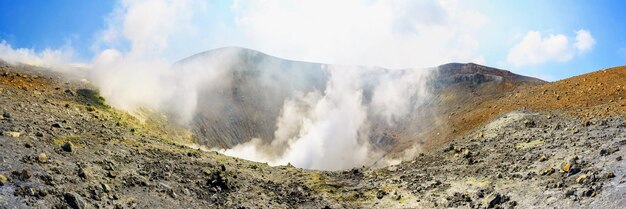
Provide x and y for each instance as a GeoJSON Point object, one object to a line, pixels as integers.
{"type": "Point", "coordinates": [534, 48]}
{"type": "Point", "coordinates": [584, 41]}
{"type": "Point", "coordinates": [147, 27]}
{"type": "Point", "coordinates": [394, 34]}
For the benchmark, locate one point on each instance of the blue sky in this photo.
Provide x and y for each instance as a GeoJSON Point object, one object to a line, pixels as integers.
{"type": "Point", "coordinates": [52, 24]}
{"type": "Point", "coordinates": [394, 34]}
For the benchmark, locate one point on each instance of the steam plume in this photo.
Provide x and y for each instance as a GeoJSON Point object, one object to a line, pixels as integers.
{"type": "Point", "coordinates": [320, 116]}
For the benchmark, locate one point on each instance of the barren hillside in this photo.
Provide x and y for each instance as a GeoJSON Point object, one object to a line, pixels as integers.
{"type": "Point", "coordinates": [532, 144]}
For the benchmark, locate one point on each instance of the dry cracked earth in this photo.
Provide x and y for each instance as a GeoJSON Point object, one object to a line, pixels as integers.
{"type": "Point", "coordinates": [63, 147]}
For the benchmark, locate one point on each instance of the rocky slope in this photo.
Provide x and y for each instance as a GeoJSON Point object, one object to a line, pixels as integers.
{"type": "Point", "coordinates": [455, 86]}
{"type": "Point", "coordinates": [246, 100]}
{"type": "Point", "coordinates": [536, 145]}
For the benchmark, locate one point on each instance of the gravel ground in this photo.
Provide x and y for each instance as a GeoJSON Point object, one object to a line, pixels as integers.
{"type": "Point", "coordinates": [63, 147]}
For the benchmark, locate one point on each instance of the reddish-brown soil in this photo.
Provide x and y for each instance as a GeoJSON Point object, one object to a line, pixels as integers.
{"type": "Point", "coordinates": [599, 93]}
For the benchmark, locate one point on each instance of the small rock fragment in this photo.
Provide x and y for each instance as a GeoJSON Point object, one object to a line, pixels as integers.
{"type": "Point", "coordinates": [83, 173]}
{"type": "Point", "coordinates": [529, 124]}
{"type": "Point", "coordinates": [380, 194]}
{"type": "Point", "coordinates": [216, 180]}
{"type": "Point", "coordinates": [172, 194]}
{"type": "Point", "coordinates": [589, 193]}
{"type": "Point", "coordinates": [3, 180]}
{"type": "Point", "coordinates": [610, 175]}
{"type": "Point", "coordinates": [70, 92]}
{"type": "Point", "coordinates": [566, 167]}
{"type": "Point", "coordinates": [547, 171]}
{"type": "Point", "coordinates": [398, 197]}
{"type": "Point", "coordinates": [68, 147]}
{"type": "Point", "coordinates": [13, 134]}
{"type": "Point", "coordinates": [25, 175]}
{"type": "Point", "coordinates": [581, 179]}
{"type": "Point", "coordinates": [608, 151]}
{"type": "Point", "coordinates": [43, 158]}
{"type": "Point", "coordinates": [74, 200]}
{"type": "Point", "coordinates": [569, 193]}
{"type": "Point", "coordinates": [105, 187]}
{"type": "Point", "coordinates": [112, 174]}
{"type": "Point", "coordinates": [570, 167]}
{"type": "Point", "coordinates": [494, 199]}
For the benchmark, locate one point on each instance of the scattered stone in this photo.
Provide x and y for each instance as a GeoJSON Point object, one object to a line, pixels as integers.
{"type": "Point", "coordinates": [608, 151]}
{"type": "Point", "coordinates": [380, 194]}
{"type": "Point", "coordinates": [618, 158]}
{"type": "Point", "coordinates": [74, 200]}
{"type": "Point", "coordinates": [56, 125]}
{"type": "Point", "coordinates": [589, 193]}
{"type": "Point", "coordinates": [43, 158]}
{"type": "Point", "coordinates": [172, 194]}
{"type": "Point", "coordinates": [458, 199]}
{"type": "Point", "coordinates": [28, 145]}
{"type": "Point", "coordinates": [70, 92]}
{"type": "Point", "coordinates": [216, 180]}
{"type": "Point", "coordinates": [570, 167]}
{"type": "Point", "coordinates": [560, 184]}
{"type": "Point", "coordinates": [83, 173]}
{"type": "Point", "coordinates": [397, 197]}
{"type": "Point", "coordinates": [581, 179]}
{"type": "Point", "coordinates": [567, 167]}
{"type": "Point", "coordinates": [466, 153]}
{"type": "Point", "coordinates": [547, 171]}
{"type": "Point", "coordinates": [529, 124]}
{"type": "Point", "coordinates": [13, 134]}
{"type": "Point", "coordinates": [494, 199]}
{"type": "Point", "coordinates": [6, 115]}
{"type": "Point", "coordinates": [543, 158]}
{"type": "Point", "coordinates": [112, 174]}
{"type": "Point", "coordinates": [3, 180]}
{"type": "Point", "coordinates": [105, 187]}
{"type": "Point", "coordinates": [25, 175]}
{"type": "Point", "coordinates": [570, 192]}
{"type": "Point", "coordinates": [480, 193]}
{"type": "Point", "coordinates": [480, 134]}
{"type": "Point", "coordinates": [68, 147]}
{"type": "Point", "coordinates": [610, 175]}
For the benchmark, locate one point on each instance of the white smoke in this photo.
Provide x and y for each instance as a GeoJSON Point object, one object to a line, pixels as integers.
{"type": "Point", "coordinates": [140, 76]}
{"type": "Point", "coordinates": [331, 130]}
{"type": "Point", "coordinates": [325, 128]}
{"type": "Point", "coordinates": [60, 59]}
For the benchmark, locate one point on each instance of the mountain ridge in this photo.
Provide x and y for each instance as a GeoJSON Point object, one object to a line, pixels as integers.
{"type": "Point", "coordinates": [248, 68]}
